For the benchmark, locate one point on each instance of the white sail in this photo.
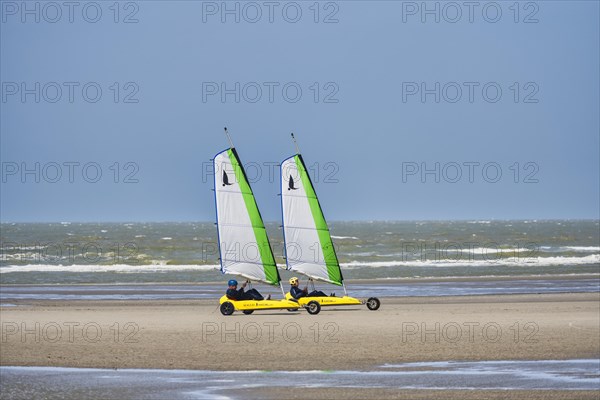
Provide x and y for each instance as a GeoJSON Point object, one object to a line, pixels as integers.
{"type": "Point", "coordinates": [243, 243]}
{"type": "Point", "coordinates": [308, 246]}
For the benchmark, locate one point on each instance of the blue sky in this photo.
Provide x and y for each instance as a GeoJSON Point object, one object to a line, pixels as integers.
{"type": "Point", "coordinates": [386, 91]}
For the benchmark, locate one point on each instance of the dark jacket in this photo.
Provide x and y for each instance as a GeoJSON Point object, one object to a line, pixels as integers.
{"type": "Point", "coordinates": [235, 294]}
{"type": "Point", "coordinates": [296, 292]}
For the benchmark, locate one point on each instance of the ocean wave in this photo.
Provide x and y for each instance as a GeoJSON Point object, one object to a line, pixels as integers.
{"type": "Point", "coordinates": [582, 248]}
{"type": "Point", "coordinates": [577, 249]}
{"type": "Point", "coordinates": [537, 261]}
{"type": "Point", "coordinates": [487, 250]}
{"type": "Point", "coordinates": [122, 268]}
{"type": "Point", "coordinates": [345, 237]}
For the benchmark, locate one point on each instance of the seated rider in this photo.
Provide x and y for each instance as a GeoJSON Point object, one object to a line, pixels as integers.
{"type": "Point", "coordinates": [297, 293]}
{"type": "Point", "coordinates": [234, 294]}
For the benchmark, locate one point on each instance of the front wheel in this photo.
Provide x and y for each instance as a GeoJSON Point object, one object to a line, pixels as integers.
{"type": "Point", "coordinates": [248, 312]}
{"type": "Point", "coordinates": [227, 308]}
{"type": "Point", "coordinates": [373, 303]}
{"type": "Point", "coordinates": [313, 307]}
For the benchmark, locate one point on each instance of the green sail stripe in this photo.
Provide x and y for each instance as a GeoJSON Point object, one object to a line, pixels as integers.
{"type": "Point", "coordinates": [331, 261]}
{"type": "Point", "coordinates": [260, 233]}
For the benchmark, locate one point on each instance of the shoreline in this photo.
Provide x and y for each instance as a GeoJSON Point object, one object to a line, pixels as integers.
{"type": "Point", "coordinates": [379, 281]}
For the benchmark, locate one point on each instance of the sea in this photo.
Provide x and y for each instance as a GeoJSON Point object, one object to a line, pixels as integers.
{"type": "Point", "coordinates": [72, 253]}
{"type": "Point", "coordinates": [162, 261]}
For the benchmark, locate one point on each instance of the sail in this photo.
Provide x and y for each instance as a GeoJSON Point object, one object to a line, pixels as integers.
{"type": "Point", "coordinates": [243, 243]}
{"type": "Point", "coordinates": [308, 246]}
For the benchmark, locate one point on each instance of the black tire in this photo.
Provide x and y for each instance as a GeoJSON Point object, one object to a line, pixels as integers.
{"type": "Point", "coordinates": [313, 307]}
{"type": "Point", "coordinates": [248, 312]}
{"type": "Point", "coordinates": [373, 303]}
{"type": "Point", "coordinates": [227, 308]}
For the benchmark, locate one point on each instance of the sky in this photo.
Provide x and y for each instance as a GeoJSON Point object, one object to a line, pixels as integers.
{"type": "Point", "coordinates": [402, 110]}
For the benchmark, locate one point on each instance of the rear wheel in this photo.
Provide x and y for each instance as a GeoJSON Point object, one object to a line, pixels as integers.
{"type": "Point", "coordinates": [248, 312]}
{"type": "Point", "coordinates": [313, 307]}
{"type": "Point", "coordinates": [227, 308]}
{"type": "Point", "coordinates": [373, 303]}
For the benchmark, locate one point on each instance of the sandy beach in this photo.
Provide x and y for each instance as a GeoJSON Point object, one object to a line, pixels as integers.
{"type": "Point", "coordinates": [182, 334]}
{"type": "Point", "coordinates": [194, 335]}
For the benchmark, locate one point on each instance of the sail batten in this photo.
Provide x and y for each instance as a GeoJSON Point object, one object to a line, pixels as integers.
{"type": "Point", "coordinates": [308, 246]}
{"type": "Point", "coordinates": [243, 242]}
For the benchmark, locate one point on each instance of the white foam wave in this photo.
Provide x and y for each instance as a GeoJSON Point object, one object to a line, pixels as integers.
{"type": "Point", "coordinates": [344, 237]}
{"type": "Point", "coordinates": [167, 238]}
{"type": "Point", "coordinates": [9, 247]}
{"type": "Point", "coordinates": [515, 261]}
{"type": "Point", "coordinates": [583, 248]}
{"type": "Point", "coordinates": [487, 250]}
{"type": "Point", "coordinates": [106, 268]}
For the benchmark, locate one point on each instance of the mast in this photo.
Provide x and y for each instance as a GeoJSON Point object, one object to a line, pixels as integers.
{"type": "Point", "coordinates": [229, 138]}
{"type": "Point", "coordinates": [295, 143]}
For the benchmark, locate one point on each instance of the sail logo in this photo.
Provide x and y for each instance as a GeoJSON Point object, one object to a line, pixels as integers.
{"type": "Point", "coordinates": [291, 184]}
{"type": "Point", "coordinates": [295, 177]}
{"type": "Point", "coordinates": [226, 179]}
{"type": "Point", "coordinates": [228, 176]}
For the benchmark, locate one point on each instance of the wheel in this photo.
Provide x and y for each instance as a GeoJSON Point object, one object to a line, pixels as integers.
{"type": "Point", "coordinates": [227, 308]}
{"type": "Point", "coordinates": [248, 312]}
{"type": "Point", "coordinates": [373, 303]}
{"type": "Point", "coordinates": [313, 307]}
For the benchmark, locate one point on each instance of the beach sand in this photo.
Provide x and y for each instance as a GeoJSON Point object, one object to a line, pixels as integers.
{"type": "Point", "coordinates": [182, 334]}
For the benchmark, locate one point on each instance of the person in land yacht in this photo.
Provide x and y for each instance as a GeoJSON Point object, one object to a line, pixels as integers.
{"type": "Point", "coordinates": [233, 293]}
{"type": "Point", "coordinates": [297, 293]}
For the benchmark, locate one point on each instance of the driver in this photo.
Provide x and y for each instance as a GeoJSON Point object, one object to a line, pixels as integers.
{"type": "Point", "coordinates": [233, 293]}
{"type": "Point", "coordinates": [297, 293]}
